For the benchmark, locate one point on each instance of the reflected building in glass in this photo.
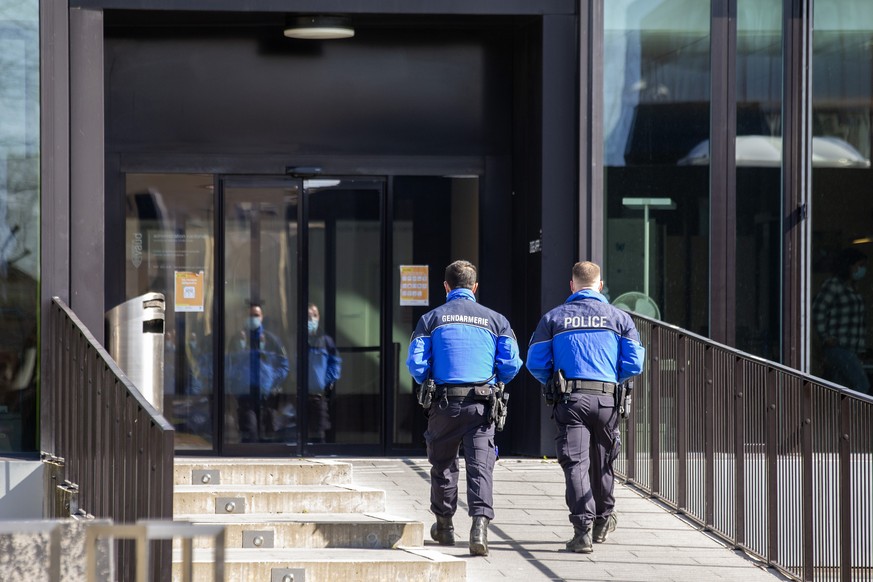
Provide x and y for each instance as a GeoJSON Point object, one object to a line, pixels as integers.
{"type": "Point", "coordinates": [19, 225]}
{"type": "Point", "coordinates": [661, 81]}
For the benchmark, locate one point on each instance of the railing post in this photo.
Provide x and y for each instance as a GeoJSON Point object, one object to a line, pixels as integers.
{"type": "Point", "coordinates": [709, 435]}
{"type": "Point", "coordinates": [740, 451]}
{"type": "Point", "coordinates": [845, 488]}
{"type": "Point", "coordinates": [682, 423]}
{"type": "Point", "coordinates": [655, 409]}
{"type": "Point", "coordinates": [807, 477]}
{"type": "Point", "coordinates": [632, 439]}
{"type": "Point", "coordinates": [772, 466]}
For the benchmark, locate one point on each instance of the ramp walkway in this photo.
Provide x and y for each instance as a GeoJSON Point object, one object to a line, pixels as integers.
{"type": "Point", "coordinates": [530, 528]}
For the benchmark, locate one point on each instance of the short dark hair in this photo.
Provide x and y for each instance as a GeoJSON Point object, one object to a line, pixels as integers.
{"type": "Point", "coordinates": [461, 274]}
{"type": "Point", "coordinates": [845, 260]}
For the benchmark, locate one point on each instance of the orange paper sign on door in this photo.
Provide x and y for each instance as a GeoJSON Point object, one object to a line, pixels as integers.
{"type": "Point", "coordinates": [414, 285]}
{"type": "Point", "coordinates": [189, 291]}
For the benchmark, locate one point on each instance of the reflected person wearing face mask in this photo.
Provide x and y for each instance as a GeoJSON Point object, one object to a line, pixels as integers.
{"type": "Point", "coordinates": [840, 320]}
{"type": "Point", "coordinates": [256, 367]}
{"type": "Point", "coordinates": [325, 366]}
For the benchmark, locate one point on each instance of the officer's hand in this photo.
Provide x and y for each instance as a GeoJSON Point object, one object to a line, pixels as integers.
{"type": "Point", "coordinates": [626, 407]}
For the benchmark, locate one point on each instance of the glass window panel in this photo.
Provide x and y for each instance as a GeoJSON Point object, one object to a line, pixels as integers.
{"type": "Point", "coordinates": [428, 210]}
{"type": "Point", "coordinates": [758, 177]}
{"type": "Point", "coordinates": [842, 204]}
{"type": "Point", "coordinates": [656, 131]}
{"type": "Point", "coordinates": [169, 232]}
{"type": "Point", "coordinates": [19, 223]}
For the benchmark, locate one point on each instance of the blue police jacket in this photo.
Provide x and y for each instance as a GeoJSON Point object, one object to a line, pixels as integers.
{"type": "Point", "coordinates": [588, 339]}
{"type": "Point", "coordinates": [257, 359]}
{"type": "Point", "coordinates": [462, 342]}
{"type": "Point", "coordinates": [325, 363]}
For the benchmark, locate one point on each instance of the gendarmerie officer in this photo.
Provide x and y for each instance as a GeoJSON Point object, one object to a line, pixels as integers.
{"type": "Point", "coordinates": [462, 345]}
{"type": "Point", "coordinates": [597, 347]}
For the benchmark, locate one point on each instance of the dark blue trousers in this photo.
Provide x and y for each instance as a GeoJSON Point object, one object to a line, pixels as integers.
{"type": "Point", "coordinates": [587, 444]}
{"type": "Point", "coordinates": [449, 425]}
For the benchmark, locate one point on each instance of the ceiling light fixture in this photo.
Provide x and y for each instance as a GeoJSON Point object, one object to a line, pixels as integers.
{"type": "Point", "coordinates": [319, 27]}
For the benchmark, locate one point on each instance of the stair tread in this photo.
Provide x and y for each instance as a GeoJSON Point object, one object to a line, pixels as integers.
{"type": "Point", "coordinates": [314, 555]}
{"type": "Point", "coordinates": [245, 518]}
{"type": "Point", "coordinates": [237, 488]}
{"type": "Point", "coordinates": [267, 461]}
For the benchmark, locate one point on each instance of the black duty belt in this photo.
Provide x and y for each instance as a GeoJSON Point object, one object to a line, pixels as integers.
{"type": "Point", "coordinates": [460, 392]}
{"type": "Point", "coordinates": [591, 386]}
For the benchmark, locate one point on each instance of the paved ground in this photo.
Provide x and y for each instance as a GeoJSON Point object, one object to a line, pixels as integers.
{"type": "Point", "coordinates": [530, 528]}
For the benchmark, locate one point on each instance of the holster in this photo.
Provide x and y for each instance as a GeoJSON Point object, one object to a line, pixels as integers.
{"type": "Point", "coordinates": [622, 391]}
{"type": "Point", "coordinates": [555, 389]}
{"type": "Point", "coordinates": [426, 393]}
{"type": "Point", "coordinates": [499, 406]}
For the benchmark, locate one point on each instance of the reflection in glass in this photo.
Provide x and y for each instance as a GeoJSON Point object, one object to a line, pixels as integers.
{"type": "Point", "coordinates": [842, 205]}
{"type": "Point", "coordinates": [260, 313]}
{"type": "Point", "coordinates": [169, 247]}
{"type": "Point", "coordinates": [19, 223]}
{"type": "Point", "coordinates": [758, 177]}
{"type": "Point", "coordinates": [656, 112]}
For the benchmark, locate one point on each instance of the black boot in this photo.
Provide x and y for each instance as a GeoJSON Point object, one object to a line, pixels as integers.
{"type": "Point", "coordinates": [479, 536]}
{"type": "Point", "coordinates": [602, 527]}
{"type": "Point", "coordinates": [443, 532]}
{"type": "Point", "coordinates": [581, 542]}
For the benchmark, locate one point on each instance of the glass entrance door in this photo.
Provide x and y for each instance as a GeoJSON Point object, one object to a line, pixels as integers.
{"type": "Point", "coordinates": [345, 398]}
{"type": "Point", "coordinates": [302, 317]}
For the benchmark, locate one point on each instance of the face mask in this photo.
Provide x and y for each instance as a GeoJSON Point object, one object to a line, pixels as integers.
{"type": "Point", "coordinates": [859, 273]}
{"type": "Point", "coordinates": [254, 323]}
{"type": "Point", "coordinates": [312, 326]}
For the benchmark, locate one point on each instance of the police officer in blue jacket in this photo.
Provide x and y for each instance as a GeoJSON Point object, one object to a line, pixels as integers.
{"type": "Point", "coordinates": [462, 345]}
{"type": "Point", "coordinates": [597, 346]}
{"type": "Point", "coordinates": [325, 367]}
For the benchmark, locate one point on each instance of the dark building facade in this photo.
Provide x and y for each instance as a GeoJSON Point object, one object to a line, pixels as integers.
{"type": "Point", "coordinates": [714, 157]}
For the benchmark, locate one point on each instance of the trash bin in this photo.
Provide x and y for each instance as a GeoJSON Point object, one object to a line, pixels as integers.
{"type": "Point", "coordinates": [136, 343]}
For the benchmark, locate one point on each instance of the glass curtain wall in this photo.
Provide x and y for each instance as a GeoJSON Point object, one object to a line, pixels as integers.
{"type": "Point", "coordinates": [656, 129]}
{"type": "Point", "coordinates": [842, 199]}
{"type": "Point", "coordinates": [19, 223]}
{"type": "Point", "coordinates": [758, 177]}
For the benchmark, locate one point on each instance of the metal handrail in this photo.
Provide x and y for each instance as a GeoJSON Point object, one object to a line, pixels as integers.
{"type": "Point", "coordinates": [145, 531]}
{"type": "Point", "coordinates": [774, 461]}
{"type": "Point", "coordinates": [111, 442]}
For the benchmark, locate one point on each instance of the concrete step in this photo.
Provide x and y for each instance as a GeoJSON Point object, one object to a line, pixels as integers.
{"type": "Point", "coordinates": [247, 499]}
{"type": "Point", "coordinates": [313, 530]}
{"type": "Point", "coordinates": [227, 471]}
{"type": "Point", "coordinates": [328, 565]}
